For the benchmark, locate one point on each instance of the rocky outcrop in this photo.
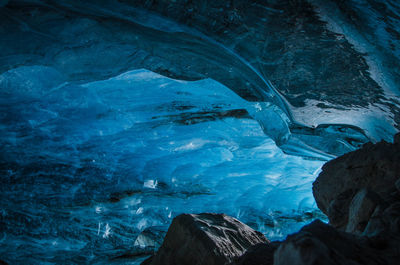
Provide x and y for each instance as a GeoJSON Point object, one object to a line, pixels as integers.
{"type": "Point", "coordinates": [212, 239]}
{"type": "Point", "coordinates": [357, 183]}
{"type": "Point", "coordinates": [359, 192]}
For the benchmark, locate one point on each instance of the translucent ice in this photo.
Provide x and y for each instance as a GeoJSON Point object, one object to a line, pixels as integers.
{"type": "Point", "coordinates": [94, 171]}
{"type": "Point", "coordinates": [88, 168]}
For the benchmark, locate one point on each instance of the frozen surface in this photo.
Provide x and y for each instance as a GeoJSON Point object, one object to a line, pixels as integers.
{"type": "Point", "coordinates": [307, 81]}
{"type": "Point", "coordinates": [86, 168]}
{"type": "Point", "coordinates": [97, 158]}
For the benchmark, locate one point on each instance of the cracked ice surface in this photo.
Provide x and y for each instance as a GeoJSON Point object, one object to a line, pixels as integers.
{"type": "Point", "coordinates": [87, 167]}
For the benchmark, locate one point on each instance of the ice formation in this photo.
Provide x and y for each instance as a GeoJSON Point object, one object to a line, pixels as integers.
{"type": "Point", "coordinates": [114, 119]}
{"type": "Point", "coordinates": [95, 164]}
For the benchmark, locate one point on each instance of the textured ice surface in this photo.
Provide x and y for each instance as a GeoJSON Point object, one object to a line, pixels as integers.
{"type": "Point", "coordinates": [86, 168]}
{"type": "Point", "coordinates": [317, 78]}
{"type": "Point", "coordinates": [93, 171]}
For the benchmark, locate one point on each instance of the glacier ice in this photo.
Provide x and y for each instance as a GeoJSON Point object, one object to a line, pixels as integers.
{"type": "Point", "coordinates": [88, 167]}
{"type": "Point", "coordinates": [122, 36]}
{"type": "Point", "coordinates": [97, 158]}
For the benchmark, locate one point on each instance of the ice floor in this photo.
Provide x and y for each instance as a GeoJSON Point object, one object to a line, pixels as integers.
{"type": "Point", "coordinates": [95, 172]}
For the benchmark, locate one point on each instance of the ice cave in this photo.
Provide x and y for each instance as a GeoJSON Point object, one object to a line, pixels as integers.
{"type": "Point", "coordinates": [119, 115]}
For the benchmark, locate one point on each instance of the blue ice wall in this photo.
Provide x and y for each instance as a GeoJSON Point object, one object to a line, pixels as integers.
{"type": "Point", "coordinates": [97, 155]}
{"type": "Point", "coordinates": [91, 166]}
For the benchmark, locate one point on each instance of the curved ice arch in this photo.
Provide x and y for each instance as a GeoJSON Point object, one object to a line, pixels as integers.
{"type": "Point", "coordinates": [281, 121]}
{"type": "Point", "coordinates": [290, 131]}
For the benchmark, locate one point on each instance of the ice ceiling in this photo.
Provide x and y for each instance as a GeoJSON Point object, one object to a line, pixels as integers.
{"type": "Point", "coordinates": [118, 115]}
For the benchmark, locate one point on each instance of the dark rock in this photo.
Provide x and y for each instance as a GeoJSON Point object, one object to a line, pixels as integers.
{"type": "Point", "coordinates": [375, 224]}
{"type": "Point", "coordinates": [319, 243]}
{"type": "Point", "coordinates": [360, 210]}
{"type": "Point", "coordinates": [205, 239]}
{"type": "Point", "coordinates": [260, 254]}
{"type": "Point", "coordinates": [374, 167]}
{"type": "Point", "coordinates": [391, 217]}
{"type": "Point", "coordinates": [338, 208]}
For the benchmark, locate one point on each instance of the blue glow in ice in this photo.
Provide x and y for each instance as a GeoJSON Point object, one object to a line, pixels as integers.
{"type": "Point", "coordinates": [91, 166]}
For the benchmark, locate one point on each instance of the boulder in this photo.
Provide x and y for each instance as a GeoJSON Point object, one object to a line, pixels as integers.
{"type": "Point", "coordinates": [375, 167]}
{"type": "Point", "coordinates": [209, 239]}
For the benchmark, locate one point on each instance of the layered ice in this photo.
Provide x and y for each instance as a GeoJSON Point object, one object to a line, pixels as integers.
{"type": "Point", "coordinates": [94, 40]}
{"type": "Point", "coordinates": [87, 168]}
